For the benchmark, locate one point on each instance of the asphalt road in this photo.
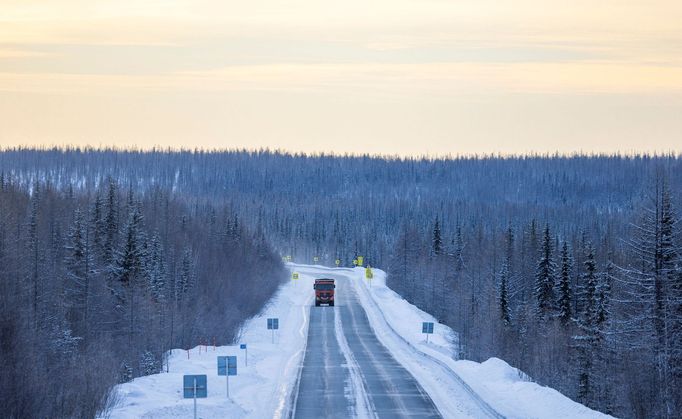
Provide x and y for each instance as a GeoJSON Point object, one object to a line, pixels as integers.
{"type": "Point", "coordinates": [326, 388]}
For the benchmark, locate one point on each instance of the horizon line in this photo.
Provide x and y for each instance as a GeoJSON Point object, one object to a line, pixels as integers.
{"type": "Point", "coordinates": [315, 154]}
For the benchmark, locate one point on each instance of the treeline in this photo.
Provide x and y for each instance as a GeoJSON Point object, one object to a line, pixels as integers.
{"type": "Point", "coordinates": [340, 206]}
{"type": "Point", "coordinates": [97, 284]}
{"type": "Point", "coordinates": [596, 315]}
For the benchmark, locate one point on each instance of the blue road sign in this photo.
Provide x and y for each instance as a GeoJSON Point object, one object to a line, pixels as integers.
{"type": "Point", "coordinates": [227, 365]}
{"type": "Point", "coordinates": [231, 365]}
{"type": "Point", "coordinates": [427, 327]}
{"type": "Point", "coordinates": [222, 365]}
{"type": "Point", "coordinates": [242, 346]}
{"type": "Point", "coordinates": [192, 383]}
{"type": "Point", "coordinates": [273, 324]}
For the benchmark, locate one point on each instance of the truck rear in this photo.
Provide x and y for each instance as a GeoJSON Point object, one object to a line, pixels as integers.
{"type": "Point", "coordinates": [324, 291]}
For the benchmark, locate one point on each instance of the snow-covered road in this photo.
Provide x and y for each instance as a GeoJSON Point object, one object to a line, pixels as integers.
{"type": "Point", "coordinates": [347, 371]}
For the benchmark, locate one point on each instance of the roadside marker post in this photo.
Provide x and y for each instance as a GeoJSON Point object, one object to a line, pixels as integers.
{"type": "Point", "coordinates": [194, 387]}
{"type": "Point", "coordinates": [369, 274]}
{"type": "Point", "coordinates": [273, 324]}
{"type": "Point", "coordinates": [427, 329]}
{"type": "Point", "coordinates": [246, 353]}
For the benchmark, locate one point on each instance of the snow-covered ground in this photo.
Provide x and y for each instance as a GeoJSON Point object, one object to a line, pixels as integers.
{"type": "Point", "coordinates": [263, 389]}
{"type": "Point", "coordinates": [397, 323]}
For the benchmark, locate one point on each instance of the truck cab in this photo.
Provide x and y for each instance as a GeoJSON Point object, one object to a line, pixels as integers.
{"type": "Point", "coordinates": [324, 292]}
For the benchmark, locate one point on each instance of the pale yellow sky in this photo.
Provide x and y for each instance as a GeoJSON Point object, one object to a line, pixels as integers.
{"type": "Point", "coordinates": [392, 77]}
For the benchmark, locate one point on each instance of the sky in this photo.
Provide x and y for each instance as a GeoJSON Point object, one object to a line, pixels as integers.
{"type": "Point", "coordinates": [397, 77]}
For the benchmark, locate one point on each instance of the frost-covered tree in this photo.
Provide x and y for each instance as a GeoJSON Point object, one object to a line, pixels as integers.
{"type": "Point", "coordinates": [437, 241]}
{"type": "Point", "coordinates": [111, 225]}
{"type": "Point", "coordinates": [77, 286]}
{"type": "Point", "coordinates": [505, 311]}
{"type": "Point", "coordinates": [564, 292]}
{"type": "Point", "coordinates": [545, 277]}
{"type": "Point", "coordinates": [129, 273]}
{"type": "Point", "coordinates": [648, 299]}
{"type": "Point", "coordinates": [587, 322]}
{"type": "Point", "coordinates": [156, 271]}
{"type": "Point", "coordinates": [186, 275]}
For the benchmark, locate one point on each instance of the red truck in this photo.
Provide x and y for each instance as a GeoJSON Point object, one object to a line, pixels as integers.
{"type": "Point", "coordinates": [324, 291]}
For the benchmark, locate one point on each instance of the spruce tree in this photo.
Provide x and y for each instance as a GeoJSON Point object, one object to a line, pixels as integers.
{"type": "Point", "coordinates": [129, 271]}
{"type": "Point", "coordinates": [111, 225]}
{"type": "Point", "coordinates": [564, 291]}
{"type": "Point", "coordinates": [505, 312]}
{"type": "Point", "coordinates": [77, 287]}
{"type": "Point", "coordinates": [545, 277]}
{"type": "Point", "coordinates": [437, 242]}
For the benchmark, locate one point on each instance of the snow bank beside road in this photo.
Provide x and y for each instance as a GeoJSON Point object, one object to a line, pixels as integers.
{"type": "Point", "coordinates": [262, 389]}
{"type": "Point", "coordinates": [499, 385]}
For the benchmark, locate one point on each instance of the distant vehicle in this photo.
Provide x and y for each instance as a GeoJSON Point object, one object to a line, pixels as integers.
{"type": "Point", "coordinates": [324, 291]}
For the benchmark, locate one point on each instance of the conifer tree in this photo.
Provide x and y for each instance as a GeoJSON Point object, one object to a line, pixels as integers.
{"type": "Point", "coordinates": [505, 312]}
{"type": "Point", "coordinates": [545, 277]}
{"type": "Point", "coordinates": [564, 291]}
{"type": "Point", "coordinates": [437, 242]}
{"type": "Point", "coordinates": [77, 286]}
{"type": "Point", "coordinates": [111, 225]}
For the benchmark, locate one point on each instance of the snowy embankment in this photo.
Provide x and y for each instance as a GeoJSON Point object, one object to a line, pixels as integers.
{"type": "Point", "coordinates": [500, 388]}
{"type": "Point", "coordinates": [261, 389]}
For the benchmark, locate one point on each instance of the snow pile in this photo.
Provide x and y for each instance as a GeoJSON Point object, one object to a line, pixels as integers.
{"type": "Point", "coordinates": [500, 387]}
{"type": "Point", "coordinates": [516, 397]}
{"type": "Point", "coordinates": [262, 389]}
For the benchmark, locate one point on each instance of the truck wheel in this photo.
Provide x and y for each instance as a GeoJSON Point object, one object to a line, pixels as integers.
{"type": "Point", "coordinates": [331, 304]}
{"type": "Point", "coordinates": [317, 303]}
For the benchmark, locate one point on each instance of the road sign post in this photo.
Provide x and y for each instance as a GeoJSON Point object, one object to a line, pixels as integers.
{"type": "Point", "coordinates": [273, 324]}
{"type": "Point", "coordinates": [194, 386]}
{"type": "Point", "coordinates": [246, 353]}
{"type": "Point", "coordinates": [427, 329]}
{"type": "Point", "coordinates": [360, 260]}
{"type": "Point", "coordinates": [227, 365]}
{"type": "Point", "coordinates": [338, 262]}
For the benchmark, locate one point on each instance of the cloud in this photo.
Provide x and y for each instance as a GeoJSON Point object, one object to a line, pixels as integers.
{"type": "Point", "coordinates": [404, 60]}
{"type": "Point", "coordinates": [434, 78]}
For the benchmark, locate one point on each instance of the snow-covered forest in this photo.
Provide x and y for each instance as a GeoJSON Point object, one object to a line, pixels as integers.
{"type": "Point", "coordinates": [569, 268]}
{"type": "Point", "coordinates": [96, 285]}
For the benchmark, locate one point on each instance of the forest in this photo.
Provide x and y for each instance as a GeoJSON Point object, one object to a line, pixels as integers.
{"type": "Point", "coordinates": [98, 284]}
{"type": "Point", "coordinates": [567, 267]}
